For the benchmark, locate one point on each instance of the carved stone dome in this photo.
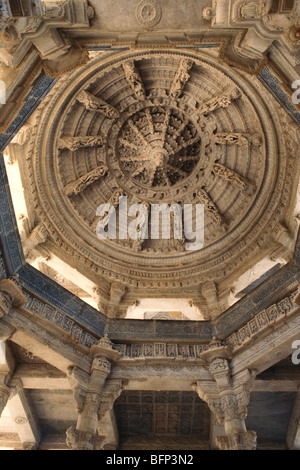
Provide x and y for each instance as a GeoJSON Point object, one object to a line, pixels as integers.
{"type": "Point", "coordinates": [170, 127]}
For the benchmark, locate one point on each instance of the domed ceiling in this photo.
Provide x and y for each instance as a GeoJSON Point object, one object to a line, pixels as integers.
{"type": "Point", "coordinates": [160, 127]}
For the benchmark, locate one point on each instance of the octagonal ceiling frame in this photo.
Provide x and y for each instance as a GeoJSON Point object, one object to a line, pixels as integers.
{"type": "Point", "coordinates": [13, 264]}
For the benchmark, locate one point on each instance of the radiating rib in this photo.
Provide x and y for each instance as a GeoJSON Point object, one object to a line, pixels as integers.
{"type": "Point", "coordinates": [180, 128]}
{"type": "Point", "coordinates": [221, 101]}
{"type": "Point", "coordinates": [178, 170]}
{"type": "Point", "coordinates": [134, 79]}
{"type": "Point", "coordinates": [185, 145]}
{"type": "Point", "coordinates": [128, 144]}
{"type": "Point", "coordinates": [181, 77]}
{"type": "Point", "coordinates": [186, 158]}
{"type": "Point", "coordinates": [231, 139]}
{"type": "Point", "coordinates": [165, 127]}
{"type": "Point", "coordinates": [149, 120]}
{"type": "Point", "coordinates": [211, 209]}
{"type": "Point", "coordinates": [139, 133]}
{"type": "Point", "coordinates": [94, 103]}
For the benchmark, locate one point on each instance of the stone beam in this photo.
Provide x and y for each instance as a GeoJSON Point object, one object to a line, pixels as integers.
{"type": "Point", "coordinates": [10, 441]}
{"type": "Point", "coordinates": [41, 350]}
{"type": "Point", "coordinates": [22, 414]}
{"type": "Point", "coordinates": [276, 385]}
{"type": "Point", "coordinates": [41, 377]}
{"type": "Point", "coordinates": [46, 342]}
{"type": "Point", "coordinates": [270, 348]}
{"type": "Point", "coordinates": [47, 377]}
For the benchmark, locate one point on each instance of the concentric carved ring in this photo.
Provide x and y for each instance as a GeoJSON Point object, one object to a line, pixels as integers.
{"type": "Point", "coordinates": [159, 146]}
{"type": "Point", "coordinates": [160, 126]}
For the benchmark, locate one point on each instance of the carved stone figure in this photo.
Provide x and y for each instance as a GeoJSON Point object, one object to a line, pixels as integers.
{"type": "Point", "coordinates": [237, 180]}
{"type": "Point", "coordinates": [134, 79]}
{"type": "Point", "coordinates": [74, 143]}
{"type": "Point", "coordinates": [221, 101]}
{"type": "Point", "coordinates": [181, 77]}
{"type": "Point", "coordinates": [94, 103]}
{"type": "Point", "coordinates": [210, 208]}
{"type": "Point", "coordinates": [82, 183]}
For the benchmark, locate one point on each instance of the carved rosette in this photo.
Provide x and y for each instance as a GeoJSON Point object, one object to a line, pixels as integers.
{"type": "Point", "coordinates": [148, 13]}
{"type": "Point", "coordinates": [159, 127]}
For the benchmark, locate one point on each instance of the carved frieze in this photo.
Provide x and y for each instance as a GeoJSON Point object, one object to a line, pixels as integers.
{"type": "Point", "coordinates": [61, 320]}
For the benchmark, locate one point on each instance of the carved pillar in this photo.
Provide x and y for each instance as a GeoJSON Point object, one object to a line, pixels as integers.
{"type": "Point", "coordinates": [117, 291]}
{"type": "Point", "coordinates": [88, 392]}
{"type": "Point", "coordinates": [227, 397]}
{"type": "Point", "coordinates": [107, 429]}
{"type": "Point", "coordinates": [209, 292]}
{"type": "Point", "coordinates": [5, 391]}
{"type": "Point", "coordinates": [6, 302]}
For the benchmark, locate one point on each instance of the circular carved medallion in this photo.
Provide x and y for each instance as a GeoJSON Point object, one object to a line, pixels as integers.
{"type": "Point", "coordinates": [148, 13]}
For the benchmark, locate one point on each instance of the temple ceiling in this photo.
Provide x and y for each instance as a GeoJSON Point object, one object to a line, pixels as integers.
{"type": "Point", "coordinates": [155, 345]}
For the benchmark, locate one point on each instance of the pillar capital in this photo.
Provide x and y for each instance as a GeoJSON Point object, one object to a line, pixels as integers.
{"type": "Point", "coordinates": [228, 397]}
{"type": "Point", "coordinates": [216, 350]}
{"type": "Point", "coordinates": [104, 349]}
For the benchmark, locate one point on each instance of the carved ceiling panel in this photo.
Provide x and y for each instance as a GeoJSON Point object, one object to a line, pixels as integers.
{"type": "Point", "coordinates": [160, 127]}
{"type": "Point", "coordinates": [165, 414]}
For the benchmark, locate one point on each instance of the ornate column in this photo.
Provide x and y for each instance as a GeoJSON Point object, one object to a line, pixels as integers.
{"type": "Point", "coordinates": [117, 291]}
{"type": "Point", "coordinates": [10, 296]}
{"type": "Point", "coordinates": [5, 391]}
{"type": "Point", "coordinates": [227, 397]}
{"type": "Point", "coordinates": [107, 428]}
{"type": "Point", "coordinates": [88, 393]}
{"type": "Point", "coordinates": [209, 292]}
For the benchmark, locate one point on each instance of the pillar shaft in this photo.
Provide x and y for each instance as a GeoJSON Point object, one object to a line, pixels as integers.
{"type": "Point", "coordinates": [88, 392]}
{"type": "Point", "coordinates": [227, 397]}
